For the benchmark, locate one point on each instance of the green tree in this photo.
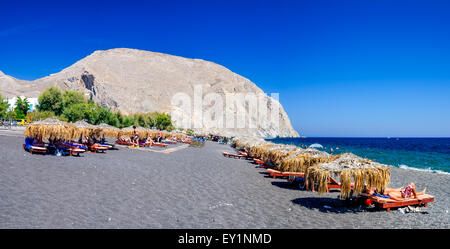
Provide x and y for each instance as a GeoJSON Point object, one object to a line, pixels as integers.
{"type": "Point", "coordinates": [170, 128]}
{"type": "Point", "coordinates": [51, 100]}
{"type": "Point", "coordinates": [151, 119]}
{"type": "Point", "coordinates": [127, 121]}
{"type": "Point", "coordinates": [113, 120]}
{"type": "Point", "coordinates": [22, 107]}
{"type": "Point", "coordinates": [70, 98]}
{"type": "Point", "coordinates": [4, 105]}
{"type": "Point", "coordinates": [92, 113]}
{"type": "Point", "coordinates": [104, 115]}
{"type": "Point", "coordinates": [11, 114]}
{"type": "Point", "coordinates": [163, 121]}
{"type": "Point", "coordinates": [75, 112]}
{"type": "Point", "coordinates": [118, 115]}
{"type": "Point", "coordinates": [141, 120]}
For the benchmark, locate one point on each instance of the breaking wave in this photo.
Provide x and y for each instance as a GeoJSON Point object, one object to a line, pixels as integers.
{"type": "Point", "coordinates": [402, 166]}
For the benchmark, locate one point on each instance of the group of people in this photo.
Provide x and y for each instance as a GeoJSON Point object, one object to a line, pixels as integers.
{"type": "Point", "coordinates": [134, 140]}
{"type": "Point", "coordinates": [219, 139]}
{"type": "Point", "coordinates": [60, 145]}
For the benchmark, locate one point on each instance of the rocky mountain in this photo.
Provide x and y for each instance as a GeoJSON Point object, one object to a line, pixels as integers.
{"type": "Point", "coordinates": [133, 80]}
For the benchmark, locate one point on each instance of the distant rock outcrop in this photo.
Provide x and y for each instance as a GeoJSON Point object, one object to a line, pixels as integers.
{"type": "Point", "coordinates": [133, 80]}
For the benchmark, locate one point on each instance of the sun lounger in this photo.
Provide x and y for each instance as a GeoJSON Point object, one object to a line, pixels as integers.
{"type": "Point", "coordinates": [277, 173]}
{"type": "Point", "coordinates": [76, 151]}
{"type": "Point", "coordinates": [245, 154]}
{"type": "Point", "coordinates": [226, 154]}
{"type": "Point", "coordinates": [109, 146]}
{"type": "Point", "coordinates": [77, 146]}
{"type": "Point", "coordinates": [35, 149]}
{"type": "Point", "coordinates": [262, 164]}
{"type": "Point", "coordinates": [97, 148]}
{"type": "Point", "coordinates": [123, 143]}
{"type": "Point", "coordinates": [159, 144]}
{"type": "Point", "coordinates": [387, 203]}
{"type": "Point", "coordinates": [333, 184]}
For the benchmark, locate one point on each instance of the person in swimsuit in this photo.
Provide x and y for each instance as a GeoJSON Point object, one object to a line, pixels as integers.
{"type": "Point", "coordinates": [125, 139]}
{"type": "Point", "coordinates": [149, 141]}
{"type": "Point", "coordinates": [135, 137]}
{"type": "Point", "coordinates": [400, 194]}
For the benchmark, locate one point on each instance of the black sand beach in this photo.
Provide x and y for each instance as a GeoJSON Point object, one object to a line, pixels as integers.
{"type": "Point", "coordinates": [186, 188]}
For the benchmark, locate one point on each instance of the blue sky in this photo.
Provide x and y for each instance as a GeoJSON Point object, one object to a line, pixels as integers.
{"type": "Point", "coordinates": [342, 68]}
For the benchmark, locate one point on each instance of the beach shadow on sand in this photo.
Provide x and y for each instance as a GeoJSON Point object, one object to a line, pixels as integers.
{"type": "Point", "coordinates": [294, 186]}
{"type": "Point", "coordinates": [331, 205]}
{"type": "Point", "coordinates": [285, 184]}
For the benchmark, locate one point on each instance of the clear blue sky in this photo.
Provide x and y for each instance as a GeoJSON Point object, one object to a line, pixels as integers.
{"type": "Point", "coordinates": [342, 68]}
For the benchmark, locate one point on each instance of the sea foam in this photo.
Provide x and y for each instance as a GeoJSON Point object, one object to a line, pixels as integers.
{"type": "Point", "coordinates": [402, 166]}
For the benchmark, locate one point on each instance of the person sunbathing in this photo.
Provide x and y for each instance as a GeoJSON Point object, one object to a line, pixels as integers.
{"type": "Point", "coordinates": [149, 141]}
{"type": "Point", "coordinates": [400, 194]}
{"type": "Point", "coordinates": [92, 143]}
{"type": "Point", "coordinates": [125, 139]}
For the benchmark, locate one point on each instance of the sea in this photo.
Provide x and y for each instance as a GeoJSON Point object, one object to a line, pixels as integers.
{"type": "Point", "coordinates": [423, 154]}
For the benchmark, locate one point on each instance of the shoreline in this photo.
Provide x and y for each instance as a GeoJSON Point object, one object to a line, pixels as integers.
{"type": "Point", "coordinates": [420, 154]}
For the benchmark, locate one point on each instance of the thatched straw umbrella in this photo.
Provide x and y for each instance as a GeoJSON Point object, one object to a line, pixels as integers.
{"type": "Point", "coordinates": [84, 128]}
{"type": "Point", "coordinates": [109, 130]}
{"type": "Point", "coordinates": [364, 172]}
{"type": "Point", "coordinates": [302, 159]}
{"type": "Point", "coordinates": [143, 132]}
{"type": "Point", "coordinates": [51, 128]}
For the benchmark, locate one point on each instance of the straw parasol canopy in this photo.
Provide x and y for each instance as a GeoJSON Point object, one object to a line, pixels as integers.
{"type": "Point", "coordinates": [51, 128]}
{"type": "Point", "coordinates": [84, 128]}
{"type": "Point", "coordinates": [109, 130]}
{"type": "Point", "coordinates": [302, 159]}
{"type": "Point", "coordinates": [143, 132]}
{"type": "Point", "coordinates": [348, 166]}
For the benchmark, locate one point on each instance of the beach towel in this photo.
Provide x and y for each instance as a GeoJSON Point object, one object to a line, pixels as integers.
{"type": "Point", "coordinates": [76, 145]}
{"type": "Point", "coordinates": [382, 196]}
{"type": "Point", "coordinates": [28, 142]}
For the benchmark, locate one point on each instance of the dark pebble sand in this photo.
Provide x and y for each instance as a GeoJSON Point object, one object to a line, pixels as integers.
{"type": "Point", "coordinates": [188, 188]}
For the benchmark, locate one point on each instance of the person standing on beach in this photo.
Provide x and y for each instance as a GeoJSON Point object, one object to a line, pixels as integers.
{"type": "Point", "coordinates": [135, 137]}
{"type": "Point", "coordinates": [159, 139]}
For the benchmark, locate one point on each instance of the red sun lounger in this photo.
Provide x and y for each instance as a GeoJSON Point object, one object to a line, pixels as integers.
{"type": "Point", "coordinates": [95, 149]}
{"type": "Point", "coordinates": [36, 149]}
{"type": "Point", "coordinates": [76, 151]}
{"type": "Point", "coordinates": [123, 143]}
{"type": "Point", "coordinates": [226, 154]}
{"type": "Point", "coordinates": [159, 144]}
{"type": "Point", "coordinates": [387, 204]}
{"type": "Point", "coordinates": [277, 173]}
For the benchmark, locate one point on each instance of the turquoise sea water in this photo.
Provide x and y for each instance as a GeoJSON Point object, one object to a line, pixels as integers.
{"type": "Point", "coordinates": [429, 154]}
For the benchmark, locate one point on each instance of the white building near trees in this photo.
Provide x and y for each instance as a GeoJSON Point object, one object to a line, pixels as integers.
{"type": "Point", "coordinates": [32, 101]}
